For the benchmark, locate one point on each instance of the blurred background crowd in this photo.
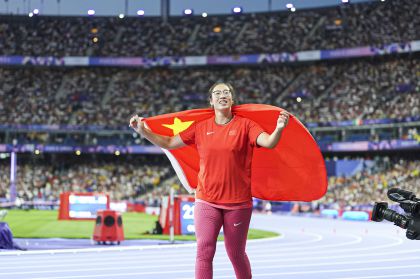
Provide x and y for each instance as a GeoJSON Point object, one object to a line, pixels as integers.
{"type": "Point", "coordinates": [350, 90]}
{"type": "Point", "coordinates": [142, 178]}
{"type": "Point", "coordinates": [146, 179]}
{"type": "Point", "coordinates": [353, 25]}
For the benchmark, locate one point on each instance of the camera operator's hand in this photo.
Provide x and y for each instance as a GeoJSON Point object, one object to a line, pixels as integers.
{"type": "Point", "coordinates": [137, 124]}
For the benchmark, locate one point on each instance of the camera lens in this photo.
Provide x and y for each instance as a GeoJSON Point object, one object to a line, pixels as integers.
{"type": "Point", "coordinates": [378, 211]}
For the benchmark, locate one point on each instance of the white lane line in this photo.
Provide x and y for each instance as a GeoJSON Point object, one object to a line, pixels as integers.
{"type": "Point", "coordinates": [156, 248]}
{"type": "Point", "coordinates": [119, 275]}
{"type": "Point", "coordinates": [317, 238]}
{"type": "Point", "coordinates": [268, 239]}
{"type": "Point", "coordinates": [357, 239]}
{"type": "Point", "coordinates": [114, 275]}
{"type": "Point", "coordinates": [191, 266]}
{"type": "Point", "coordinates": [399, 242]}
{"type": "Point", "coordinates": [179, 254]}
{"type": "Point", "coordinates": [218, 260]}
{"type": "Point", "coordinates": [129, 248]}
{"type": "Point", "coordinates": [355, 269]}
{"type": "Point", "coordinates": [415, 275]}
{"type": "Point", "coordinates": [140, 248]}
{"type": "Point", "coordinates": [330, 257]}
{"type": "Point", "coordinates": [116, 268]}
{"type": "Point", "coordinates": [108, 249]}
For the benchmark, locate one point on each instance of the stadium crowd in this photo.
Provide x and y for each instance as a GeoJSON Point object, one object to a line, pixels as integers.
{"type": "Point", "coordinates": [350, 25]}
{"type": "Point", "coordinates": [124, 179]}
{"type": "Point", "coordinates": [371, 185]}
{"type": "Point", "coordinates": [362, 89]}
{"type": "Point", "coordinates": [147, 179]}
{"type": "Point", "coordinates": [357, 90]}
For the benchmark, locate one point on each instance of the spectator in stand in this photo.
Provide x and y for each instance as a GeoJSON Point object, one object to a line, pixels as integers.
{"type": "Point", "coordinates": [128, 180]}
{"type": "Point", "coordinates": [367, 187]}
{"type": "Point", "coordinates": [351, 90]}
{"type": "Point", "coordinates": [351, 25]}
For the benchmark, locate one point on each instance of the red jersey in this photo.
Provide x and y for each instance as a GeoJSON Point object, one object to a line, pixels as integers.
{"type": "Point", "coordinates": [225, 153]}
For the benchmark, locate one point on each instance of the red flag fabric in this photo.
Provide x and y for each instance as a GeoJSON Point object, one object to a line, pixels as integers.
{"type": "Point", "coordinates": [293, 171]}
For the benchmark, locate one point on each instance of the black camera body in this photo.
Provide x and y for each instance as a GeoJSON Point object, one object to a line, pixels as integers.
{"type": "Point", "coordinates": [409, 203]}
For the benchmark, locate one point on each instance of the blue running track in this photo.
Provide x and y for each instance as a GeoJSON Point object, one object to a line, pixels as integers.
{"type": "Point", "coordinates": [308, 248]}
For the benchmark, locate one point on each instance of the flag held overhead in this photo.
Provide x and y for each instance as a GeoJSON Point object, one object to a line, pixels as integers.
{"type": "Point", "coordinates": [293, 171]}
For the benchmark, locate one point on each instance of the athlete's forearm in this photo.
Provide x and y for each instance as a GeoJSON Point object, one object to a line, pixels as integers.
{"type": "Point", "coordinates": [274, 138]}
{"type": "Point", "coordinates": [156, 139]}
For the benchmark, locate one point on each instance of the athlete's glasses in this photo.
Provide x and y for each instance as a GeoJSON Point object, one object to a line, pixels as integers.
{"type": "Point", "coordinates": [220, 93]}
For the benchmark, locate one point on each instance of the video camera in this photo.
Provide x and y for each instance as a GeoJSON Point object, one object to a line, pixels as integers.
{"type": "Point", "coordinates": [409, 203]}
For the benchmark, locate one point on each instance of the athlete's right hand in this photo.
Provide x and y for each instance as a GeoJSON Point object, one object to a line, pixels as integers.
{"type": "Point", "coordinates": [137, 124]}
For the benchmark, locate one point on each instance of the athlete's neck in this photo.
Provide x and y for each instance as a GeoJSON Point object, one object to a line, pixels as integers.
{"type": "Point", "coordinates": [223, 116]}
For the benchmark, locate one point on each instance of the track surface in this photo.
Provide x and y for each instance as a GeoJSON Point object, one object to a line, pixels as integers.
{"type": "Point", "coordinates": [308, 248]}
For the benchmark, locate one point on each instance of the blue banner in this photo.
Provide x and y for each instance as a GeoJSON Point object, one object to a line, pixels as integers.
{"type": "Point", "coordinates": [182, 61]}
{"type": "Point", "coordinates": [64, 128]}
{"type": "Point", "coordinates": [104, 149]}
{"type": "Point", "coordinates": [137, 61]}
{"type": "Point", "coordinates": [361, 122]}
{"type": "Point", "coordinates": [367, 51]}
{"type": "Point", "coordinates": [232, 59]}
{"type": "Point", "coordinates": [372, 146]}
{"type": "Point", "coordinates": [43, 61]}
{"type": "Point", "coordinates": [187, 218]}
{"type": "Point", "coordinates": [11, 60]}
{"type": "Point", "coordinates": [92, 128]}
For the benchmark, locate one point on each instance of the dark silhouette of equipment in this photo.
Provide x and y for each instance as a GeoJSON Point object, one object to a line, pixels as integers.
{"type": "Point", "coordinates": [409, 203]}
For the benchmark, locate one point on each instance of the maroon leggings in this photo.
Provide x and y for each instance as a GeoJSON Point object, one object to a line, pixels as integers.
{"type": "Point", "coordinates": [208, 221]}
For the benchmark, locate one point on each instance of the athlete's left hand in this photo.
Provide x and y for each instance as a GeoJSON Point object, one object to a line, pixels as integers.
{"type": "Point", "coordinates": [283, 120]}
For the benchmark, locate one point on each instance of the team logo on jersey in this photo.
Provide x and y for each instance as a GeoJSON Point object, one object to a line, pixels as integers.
{"type": "Point", "coordinates": [232, 133]}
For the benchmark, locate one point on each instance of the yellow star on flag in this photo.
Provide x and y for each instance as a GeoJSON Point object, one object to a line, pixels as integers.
{"type": "Point", "coordinates": [178, 125]}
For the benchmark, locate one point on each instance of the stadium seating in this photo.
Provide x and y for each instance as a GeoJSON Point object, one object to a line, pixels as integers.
{"type": "Point", "coordinates": [373, 23]}
{"type": "Point", "coordinates": [334, 92]}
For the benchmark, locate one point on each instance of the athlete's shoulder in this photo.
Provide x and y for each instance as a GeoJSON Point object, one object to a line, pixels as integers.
{"type": "Point", "coordinates": [203, 124]}
{"type": "Point", "coordinates": [243, 120]}
{"type": "Point", "coordinates": [205, 121]}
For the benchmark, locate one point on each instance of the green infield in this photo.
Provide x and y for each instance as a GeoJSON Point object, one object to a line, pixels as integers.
{"type": "Point", "coordinates": [44, 224]}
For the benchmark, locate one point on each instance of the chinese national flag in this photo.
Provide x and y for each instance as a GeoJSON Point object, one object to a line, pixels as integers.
{"type": "Point", "coordinates": [293, 171]}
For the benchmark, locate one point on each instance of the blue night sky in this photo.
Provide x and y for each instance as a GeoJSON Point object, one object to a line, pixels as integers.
{"type": "Point", "coordinates": [151, 7]}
